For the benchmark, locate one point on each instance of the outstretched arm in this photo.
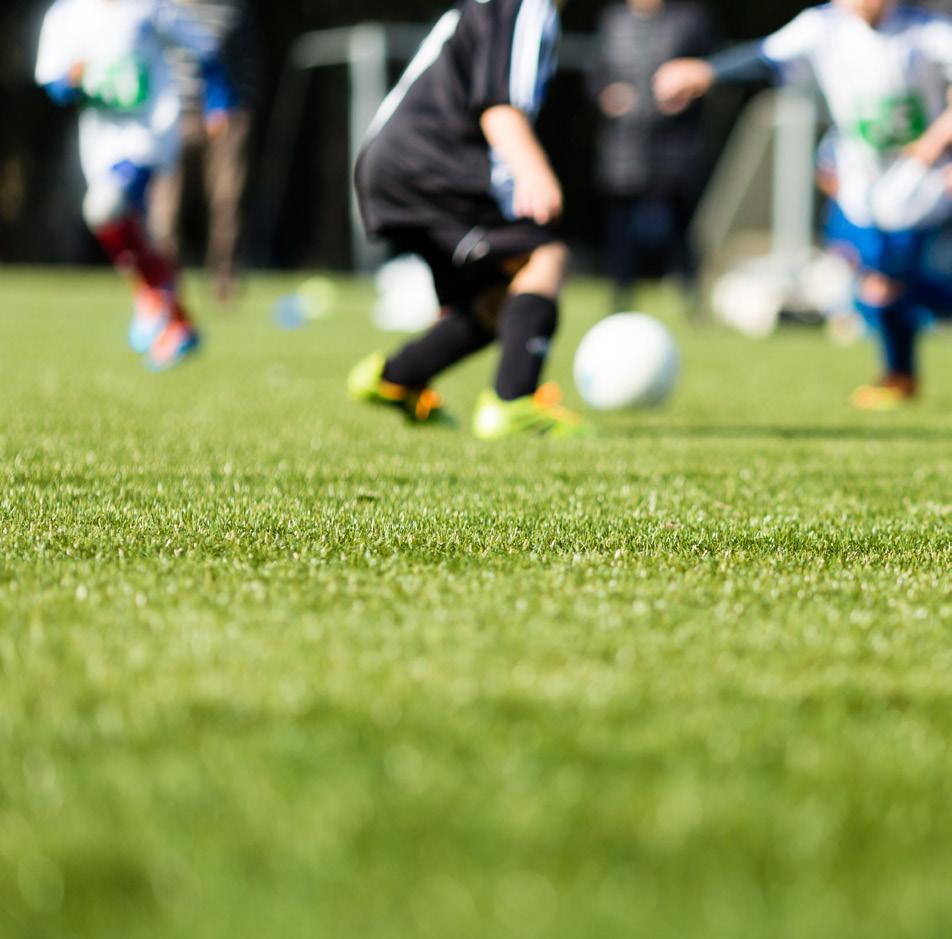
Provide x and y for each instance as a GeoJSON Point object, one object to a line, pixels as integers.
{"type": "Point", "coordinates": [784, 56]}
{"type": "Point", "coordinates": [679, 83]}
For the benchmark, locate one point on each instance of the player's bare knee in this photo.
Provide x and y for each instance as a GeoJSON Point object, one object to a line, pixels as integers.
{"type": "Point", "coordinates": [879, 290]}
{"type": "Point", "coordinates": [544, 272]}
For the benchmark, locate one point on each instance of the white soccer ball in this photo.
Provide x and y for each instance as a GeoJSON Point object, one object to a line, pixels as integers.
{"type": "Point", "coordinates": [750, 298]}
{"type": "Point", "coordinates": [628, 360]}
{"type": "Point", "coordinates": [406, 297]}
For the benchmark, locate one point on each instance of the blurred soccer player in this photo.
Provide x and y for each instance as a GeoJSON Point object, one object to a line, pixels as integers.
{"type": "Point", "coordinates": [452, 170]}
{"type": "Point", "coordinates": [884, 68]}
{"type": "Point", "coordinates": [107, 56]}
{"type": "Point", "coordinates": [222, 159]}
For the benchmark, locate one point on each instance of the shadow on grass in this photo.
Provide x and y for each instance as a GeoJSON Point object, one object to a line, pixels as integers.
{"type": "Point", "coordinates": [701, 432]}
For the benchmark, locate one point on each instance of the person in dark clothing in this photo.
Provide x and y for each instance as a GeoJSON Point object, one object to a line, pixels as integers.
{"type": "Point", "coordinates": [648, 163]}
{"type": "Point", "coordinates": [452, 170]}
{"type": "Point", "coordinates": [223, 158]}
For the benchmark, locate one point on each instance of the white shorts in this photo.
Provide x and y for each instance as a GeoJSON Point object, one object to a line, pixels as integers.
{"type": "Point", "coordinates": [151, 140]}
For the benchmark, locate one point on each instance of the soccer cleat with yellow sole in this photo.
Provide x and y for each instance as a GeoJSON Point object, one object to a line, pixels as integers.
{"type": "Point", "coordinates": [420, 406]}
{"type": "Point", "coordinates": [541, 414]}
{"type": "Point", "coordinates": [889, 394]}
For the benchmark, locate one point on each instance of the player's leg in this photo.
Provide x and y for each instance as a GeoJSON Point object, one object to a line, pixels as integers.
{"type": "Point", "coordinates": [528, 320]}
{"type": "Point", "coordinates": [887, 268]}
{"type": "Point", "coordinates": [619, 249]}
{"type": "Point", "coordinates": [167, 190]}
{"type": "Point", "coordinates": [456, 336]}
{"type": "Point", "coordinates": [403, 379]}
{"type": "Point", "coordinates": [112, 212]}
{"type": "Point", "coordinates": [682, 258]}
{"type": "Point", "coordinates": [888, 307]}
{"type": "Point", "coordinates": [503, 281]}
{"type": "Point", "coordinates": [525, 317]}
{"type": "Point", "coordinates": [890, 265]}
{"type": "Point", "coordinates": [165, 210]}
{"type": "Point", "coordinates": [226, 170]}
{"type": "Point", "coordinates": [114, 209]}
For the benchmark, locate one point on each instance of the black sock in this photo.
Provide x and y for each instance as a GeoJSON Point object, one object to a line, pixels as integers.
{"type": "Point", "coordinates": [455, 337]}
{"type": "Point", "coordinates": [527, 324]}
{"type": "Point", "coordinates": [900, 327]}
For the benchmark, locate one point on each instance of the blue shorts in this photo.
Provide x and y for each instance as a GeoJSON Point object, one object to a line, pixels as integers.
{"type": "Point", "coordinates": [135, 181]}
{"type": "Point", "coordinates": [895, 254]}
{"type": "Point", "coordinates": [920, 258]}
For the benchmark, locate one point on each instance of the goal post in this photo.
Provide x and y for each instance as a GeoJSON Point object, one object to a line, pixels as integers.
{"type": "Point", "coordinates": [773, 144]}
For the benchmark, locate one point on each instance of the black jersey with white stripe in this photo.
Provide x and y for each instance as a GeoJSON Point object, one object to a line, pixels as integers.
{"type": "Point", "coordinates": [425, 153]}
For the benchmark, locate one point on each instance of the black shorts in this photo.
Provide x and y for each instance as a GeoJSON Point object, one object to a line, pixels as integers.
{"type": "Point", "coordinates": [468, 262]}
{"type": "Point", "coordinates": [464, 238]}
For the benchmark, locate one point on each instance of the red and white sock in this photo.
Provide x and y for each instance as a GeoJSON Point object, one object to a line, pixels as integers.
{"type": "Point", "coordinates": [129, 247]}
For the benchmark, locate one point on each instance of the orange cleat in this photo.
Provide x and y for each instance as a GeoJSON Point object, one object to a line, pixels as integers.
{"type": "Point", "coordinates": [178, 341]}
{"type": "Point", "coordinates": [151, 312]}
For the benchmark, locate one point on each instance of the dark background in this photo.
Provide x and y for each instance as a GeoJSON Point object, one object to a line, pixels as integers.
{"type": "Point", "coordinates": [40, 185]}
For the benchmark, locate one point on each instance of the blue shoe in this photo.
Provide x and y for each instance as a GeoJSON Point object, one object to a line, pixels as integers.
{"type": "Point", "coordinates": [150, 316]}
{"type": "Point", "coordinates": [178, 341]}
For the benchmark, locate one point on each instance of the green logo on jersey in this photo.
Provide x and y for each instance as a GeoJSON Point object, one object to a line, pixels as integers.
{"type": "Point", "coordinates": [891, 123]}
{"type": "Point", "coordinates": [122, 85]}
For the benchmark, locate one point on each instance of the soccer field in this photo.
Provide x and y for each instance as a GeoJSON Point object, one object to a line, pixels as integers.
{"type": "Point", "coordinates": [272, 664]}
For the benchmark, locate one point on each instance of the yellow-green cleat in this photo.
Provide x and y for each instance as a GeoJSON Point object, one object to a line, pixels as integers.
{"type": "Point", "coordinates": [420, 406]}
{"type": "Point", "coordinates": [541, 414]}
{"type": "Point", "coordinates": [888, 394]}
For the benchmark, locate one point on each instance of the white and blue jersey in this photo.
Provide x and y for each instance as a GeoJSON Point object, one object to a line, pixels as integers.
{"type": "Point", "coordinates": [122, 44]}
{"type": "Point", "coordinates": [884, 86]}
{"type": "Point", "coordinates": [426, 157]}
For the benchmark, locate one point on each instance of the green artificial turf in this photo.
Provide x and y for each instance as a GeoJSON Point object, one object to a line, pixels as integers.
{"type": "Point", "coordinates": [273, 664]}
